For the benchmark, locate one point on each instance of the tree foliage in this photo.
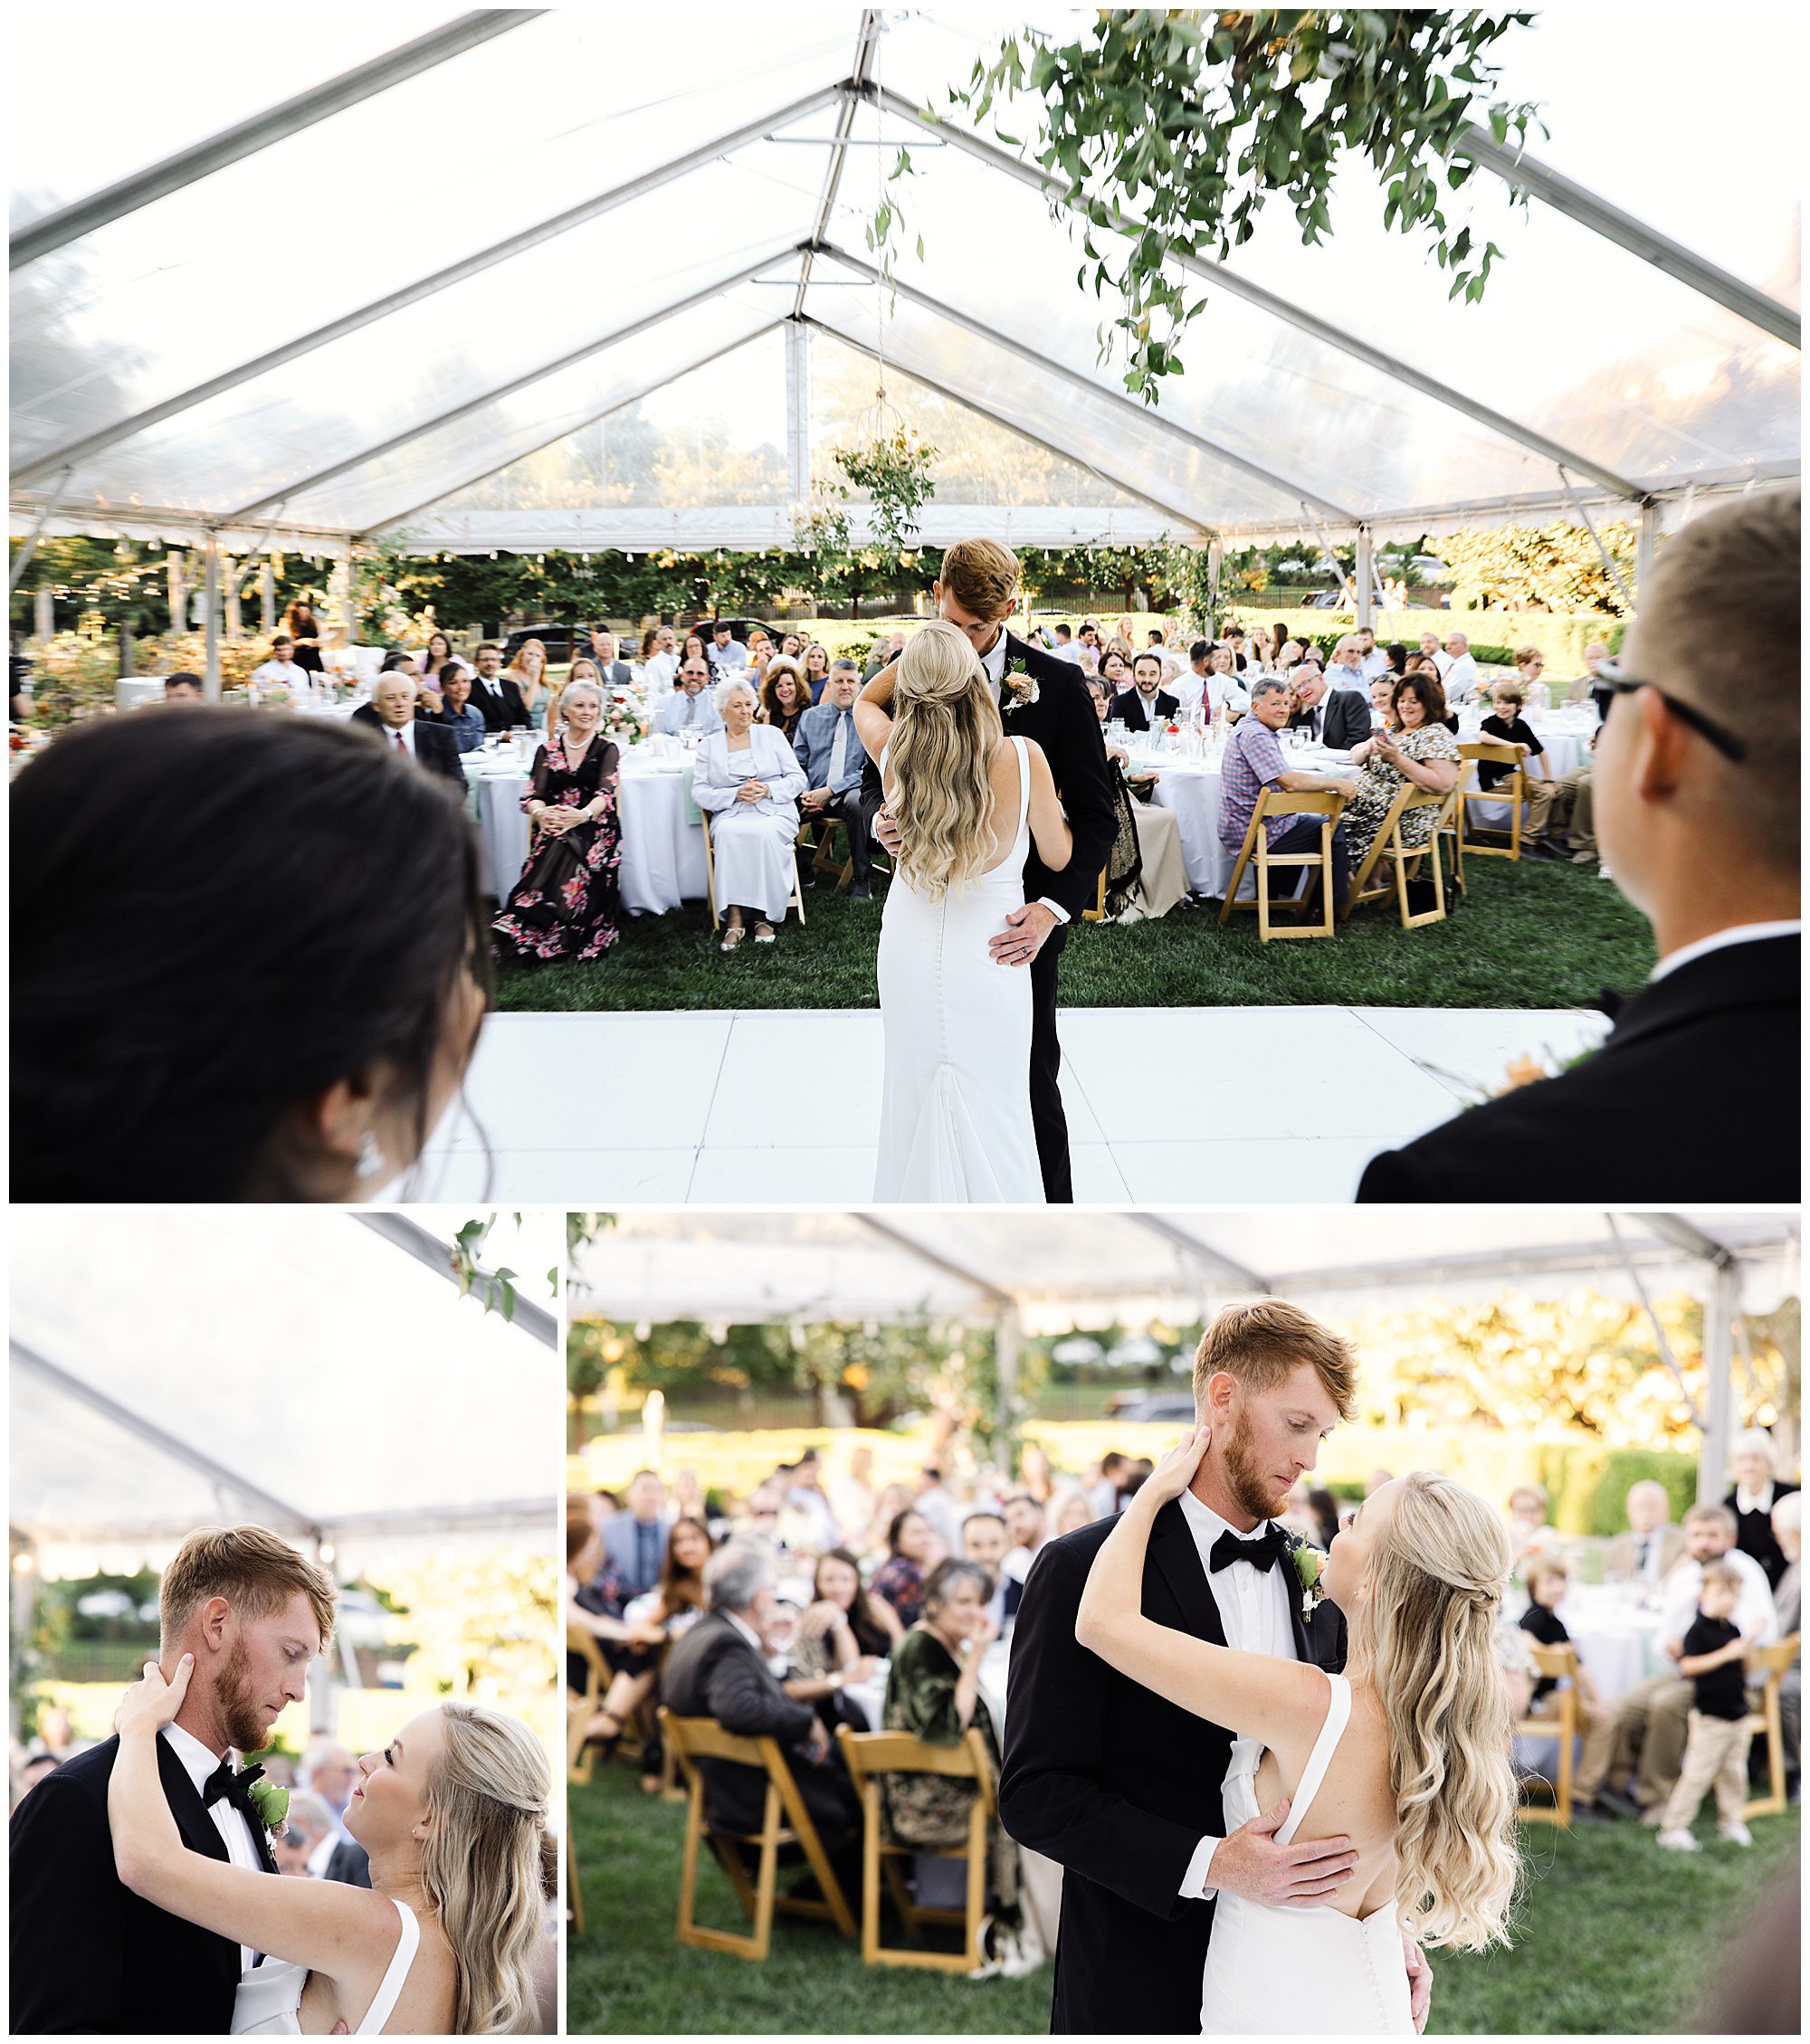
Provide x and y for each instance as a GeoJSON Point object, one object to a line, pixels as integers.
{"type": "Point", "coordinates": [1189, 120]}
{"type": "Point", "coordinates": [1554, 567]}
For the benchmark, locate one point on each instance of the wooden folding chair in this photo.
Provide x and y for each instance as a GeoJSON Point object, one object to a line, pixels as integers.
{"type": "Point", "coordinates": [795, 900]}
{"type": "Point", "coordinates": [1387, 844]}
{"type": "Point", "coordinates": [581, 1709]}
{"type": "Point", "coordinates": [870, 1755]}
{"type": "Point", "coordinates": [1766, 1722]}
{"type": "Point", "coordinates": [1558, 1664]}
{"type": "Point", "coordinates": [1492, 752]}
{"type": "Point", "coordinates": [823, 849]}
{"type": "Point", "coordinates": [575, 1894]}
{"type": "Point", "coordinates": [1256, 851]}
{"type": "Point", "coordinates": [784, 1821]}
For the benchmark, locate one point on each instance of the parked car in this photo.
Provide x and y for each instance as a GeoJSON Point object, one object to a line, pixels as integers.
{"type": "Point", "coordinates": [1164, 1408]}
{"type": "Point", "coordinates": [558, 639]}
{"type": "Point", "coordinates": [1326, 600]}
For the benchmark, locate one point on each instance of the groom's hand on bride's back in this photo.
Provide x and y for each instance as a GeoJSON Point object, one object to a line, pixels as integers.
{"type": "Point", "coordinates": [887, 831]}
{"type": "Point", "coordinates": [1249, 1862]}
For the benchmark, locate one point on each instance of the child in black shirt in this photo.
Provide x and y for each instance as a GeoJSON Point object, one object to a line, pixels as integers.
{"type": "Point", "coordinates": [1548, 1580]}
{"type": "Point", "coordinates": [1507, 727]}
{"type": "Point", "coordinates": [1714, 1658]}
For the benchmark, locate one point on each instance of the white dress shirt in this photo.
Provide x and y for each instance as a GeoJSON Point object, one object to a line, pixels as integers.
{"type": "Point", "coordinates": [1718, 940]}
{"type": "Point", "coordinates": [1756, 1616]}
{"type": "Point", "coordinates": [1459, 676]}
{"type": "Point", "coordinates": [1374, 664]}
{"type": "Point", "coordinates": [199, 1763]}
{"type": "Point", "coordinates": [1254, 1609]}
{"type": "Point", "coordinates": [406, 734]}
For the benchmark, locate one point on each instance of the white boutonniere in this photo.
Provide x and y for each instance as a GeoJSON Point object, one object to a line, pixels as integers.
{"type": "Point", "coordinates": [1019, 685]}
{"type": "Point", "coordinates": [1309, 1564]}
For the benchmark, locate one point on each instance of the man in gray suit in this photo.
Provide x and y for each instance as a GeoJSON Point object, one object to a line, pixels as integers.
{"type": "Point", "coordinates": [1643, 1555]}
{"type": "Point", "coordinates": [1338, 717]}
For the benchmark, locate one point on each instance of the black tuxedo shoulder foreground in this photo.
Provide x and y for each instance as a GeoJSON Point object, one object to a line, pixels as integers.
{"type": "Point", "coordinates": [714, 1672]}
{"type": "Point", "coordinates": [87, 1953]}
{"type": "Point", "coordinates": [1695, 1095]}
{"type": "Point", "coordinates": [1119, 1785]}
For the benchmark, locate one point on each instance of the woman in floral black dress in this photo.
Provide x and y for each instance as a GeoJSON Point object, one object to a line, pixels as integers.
{"type": "Point", "coordinates": [568, 903]}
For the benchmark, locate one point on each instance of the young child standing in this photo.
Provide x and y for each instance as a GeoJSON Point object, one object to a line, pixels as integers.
{"type": "Point", "coordinates": [1715, 1659]}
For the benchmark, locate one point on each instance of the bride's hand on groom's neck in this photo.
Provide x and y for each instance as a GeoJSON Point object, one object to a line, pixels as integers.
{"type": "Point", "coordinates": [152, 1703]}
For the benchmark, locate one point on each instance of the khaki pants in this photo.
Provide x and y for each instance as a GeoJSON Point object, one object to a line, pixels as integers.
{"type": "Point", "coordinates": [1715, 1756]}
{"type": "Point", "coordinates": [1643, 1736]}
{"type": "Point", "coordinates": [1574, 811]}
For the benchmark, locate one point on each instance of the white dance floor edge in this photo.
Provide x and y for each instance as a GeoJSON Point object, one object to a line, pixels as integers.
{"type": "Point", "coordinates": [1221, 1107]}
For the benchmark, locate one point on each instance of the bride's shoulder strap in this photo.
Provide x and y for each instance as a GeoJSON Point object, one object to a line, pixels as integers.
{"type": "Point", "coordinates": [1022, 748]}
{"type": "Point", "coordinates": [389, 1988]}
{"type": "Point", "coordinates": [1332, 1729]}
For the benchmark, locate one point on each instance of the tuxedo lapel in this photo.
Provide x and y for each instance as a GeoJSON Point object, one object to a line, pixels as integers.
{"type": "Point", "coordinates": [1176, 1557]}
{"type": "Point", "coordinates": [197, 1828]}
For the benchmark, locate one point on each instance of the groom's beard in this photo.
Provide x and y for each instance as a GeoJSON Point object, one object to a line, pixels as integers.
{"type": "Point", "coordinates": [240, 1711]}
{"type": "Point", "coordinates": [1255, 1492]}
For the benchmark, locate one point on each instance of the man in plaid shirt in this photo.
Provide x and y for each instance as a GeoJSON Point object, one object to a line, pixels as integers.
{"type": "Point", "coordinates": [1253, 762]}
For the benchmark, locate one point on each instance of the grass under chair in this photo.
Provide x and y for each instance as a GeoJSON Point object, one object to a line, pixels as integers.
{"type": "Point", "coordinates": [1613, 1936]}
{"type": "Point", "coordinates": [1535, 934]}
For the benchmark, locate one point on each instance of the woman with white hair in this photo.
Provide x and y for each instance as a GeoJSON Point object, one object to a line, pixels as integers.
{"type": "Point", "coordinates": [1754, 1463]}
{"type": "Point", "coordinates": [568, 903]}
{"type": "Point", "coordinates": [748, 780]}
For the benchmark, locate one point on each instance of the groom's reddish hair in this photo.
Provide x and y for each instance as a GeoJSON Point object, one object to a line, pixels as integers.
{"type": "Point", "coordinates": [982, 576]}
{"type": "Point", "coordinates": [1263, 1344]}
{"type": "Point", "coordinates": [256, 1573]}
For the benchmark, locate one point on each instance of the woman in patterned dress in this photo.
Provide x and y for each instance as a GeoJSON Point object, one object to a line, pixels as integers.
{"type": "Point", "coordinates": [568, 903]}
{"type": "Point", "coordinates": [1417, 748]}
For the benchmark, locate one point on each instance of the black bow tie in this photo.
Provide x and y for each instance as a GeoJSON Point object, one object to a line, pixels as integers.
{"type": "Point", "coordinates": [236, 1787]}
{"type": "Point", "coordinates": [1261, 1553]}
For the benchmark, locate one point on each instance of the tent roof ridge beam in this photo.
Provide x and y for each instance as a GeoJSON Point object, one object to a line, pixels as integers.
{"type": "Point", "coordinates": [889, 1231]}
{"type": "Point", "coordinates": [1082, 382]}
{"type": "Point", "coordinates": [498, 391]}
{"type": "Point", "coordinates": [148, 1429]}
{"type": "Point", "coordinates": [832, 171]}
{"type": "Point", "coordinates": [550, 229]}
{"type": "Point", "coordinates": [414, 1240]}
{"type": "Point", "coordinates": [1591, 211]}
{"type": "Point", "coordinates": [1191, 526]}
{"type": "Point", "coordinates": [566, 432]}
{"type": "Point", "coordinates": [69, 223]}
{"type": "Point", "coordinates": [1280, 307]}
{"type": "Point", "coordinates": [1198, 1252]}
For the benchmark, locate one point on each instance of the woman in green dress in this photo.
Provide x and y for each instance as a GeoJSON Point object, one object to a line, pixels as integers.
{"type": "Point", "coordinates": [1417, 746]}
{"type": "Point", "coordinates": [933, 1692]}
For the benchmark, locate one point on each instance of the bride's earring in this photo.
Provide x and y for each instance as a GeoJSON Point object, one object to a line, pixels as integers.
{"type": "Point", "coordinates": [371, 1160]}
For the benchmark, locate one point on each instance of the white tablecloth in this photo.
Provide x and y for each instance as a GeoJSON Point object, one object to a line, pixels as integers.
{"type": "Point", "coordinates": [663, 850]}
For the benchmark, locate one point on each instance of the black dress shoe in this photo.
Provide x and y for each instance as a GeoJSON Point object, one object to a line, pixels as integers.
{"type": "Point", "coordinates": [1590, 1813]}
{"type": "Point", "coordinates": [1617, 1804]}
{"type": "Point", "coordinates": [861, 891]}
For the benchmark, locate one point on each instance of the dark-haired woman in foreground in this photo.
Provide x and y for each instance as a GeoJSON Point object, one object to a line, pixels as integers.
{"type": "Point", "coordinates": [250, 961]}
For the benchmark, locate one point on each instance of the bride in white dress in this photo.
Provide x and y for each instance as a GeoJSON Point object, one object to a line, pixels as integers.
{"type": "Point", "coordinates": [452, 1815]}
{"type": "Point", "coordinates": [955, 1107]}
{"type": "Point", "coordinates": [1406, 1753]}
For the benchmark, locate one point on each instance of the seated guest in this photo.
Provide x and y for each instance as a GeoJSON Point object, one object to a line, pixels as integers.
{"type": "Point", "coordinates": [1382, 693]}
{"type": "Point", "coordinates": [844, 1637]}
{"type": "Point", "coordinates": [1787, 1604]}
{"type": "Point", "coordinates": [1324, 1508]}
{"type": "Point", "coordinates": [748, 781]}
{"type": "Point", "coordinates": [784, 698]}
{"type": "Point", "coordinates": [1755, 1464]}
{"type": "Point", "coordinates": [567, 902]}
{"type": "Point", "coordinates": [634, 1541]}
{"type": "Point", "coordinates": [1529, 665]}
{"type": "Point", "coordinates": [282, 671]}
{"type": "Point", "coordinates": [1253, 762]}
{"type": "Point", "coordinates": [1029, 1527]}
{"type": "Point", "coordinates": [1373, 663]}
{"type": "Point", "coordinates": [1147, 703]}
{"type": "Point", "coordinates": [1645, 1554]}
{"type": "Point", "coordinates": [1417, 749]}
{"type": "Point", "coordinates": [1338, 717]}
{"type": "Point", "coordinates": [391, 714]}
{"type": "Point", "coordinates": [817, 665]}
{"type": "Point", "coordinates": [985, 1540]}
{"type": "Point", "coordinates": [1715, 1660]}
{"type": "Point", "coordinates": [674, 1604]}
{"type": "Point", "coordinates": [831, 754]}
{"type": "Point", "coordinates": [1396, 654]}
{"type": "Point", "coordinates": [727, 655]}
{"type": "Point", "coordinates": [456, 713]}
{"type": "Point", "coordinates": [1696, 807]}
{"type": "Point", "coordinates": [1290, 655]}
{"type": "Point", "coordinates": [719, 1670]}
{"type": "Point", "coordinates": [1115, 671]}
{"type": "Point", "coordinates": [1432, 651]}
{"type": "Point", "coordinates": [1064, 647]}
{"type": "Point", "coordinates": [1346, 668]}
{"type": "Point", "coordinates": [1145, 873]}
{"type": "Point", "coordinates": [884, 654]}
{"type": "Point", "coordinates": [439, 659]}
{"type": "Point", "coordinates": [612, 670]}
{"type": "Point", "coordinates": [1460, 673]}
{"type": "Point", "coordinates": [1087, 646]}
{"type": "Point", "coordinates": [900, 1580]}
{"type": "Point", "coordinates": [528, 670]}
{"type": "Point", "coordinates": [1591, 684]}
{"type": "Point", "coordinates": [1547, 1580]}
{"type": "Point", "coordinates": [933, 1694]}
{"type": "Point", "coordinates": [759, 651]}
{"type": "Point", "coordinates": [142, 949]}
{"type": "Point", "coordinates": [498, 698]}
{"type": "Point", "coordinates": [183, 690]}
{"type": "Point", "coordinates": [629, 1647]}
{"type": "Point", "coordinates": [688, 707]}
{"type": "Point", "coordinates": [659, 661]}
{"type": "Point", "coordinates": [1507, 727]}
{"type": "Point", "coordinates": [1234, 643]}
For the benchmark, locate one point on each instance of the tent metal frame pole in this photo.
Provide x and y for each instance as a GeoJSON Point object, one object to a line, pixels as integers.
{"type": "Point", "coordinates": [1190, 524]}
{"type": "Point", "coordinates": [1345, 581]}
{"type": "Point", "coordinates": [797, 410]}
{"type": "Point", "coordinates": [1045, 366]}
{"type": "Point", "coordinates": [1364, 581]}
{"type": "Point", "coordinates": [413, 1240]}
{"type": "Point", "coordinates": [276, 124]}
{"type": "Point", "coordinates": [1719, 1309]}
{"type": "Point", "coordinates": [1647, 546]}
{"type": "Point", "coordinates": [499, 391]}
{"type": "Point", "coordinates": [210, 621]}
{"type": "Point", "coordinates": [1004, 1300]}
{"type": "Point", "coordinates": [833, 174]}
{"type": "Point", "coordinates": [1578, 506]}
{"type": "Point", "coordinates": [566, 432]}
{"type": "Point", "coordinates": [550, 229]}
{"type": "Point", "coordinates": [147, 1429]}
{"type": "Point", "coordinates": [1267, 301]}
{"type": "Point", "coordinates": [1578, 202]}
{"type": "Point", "coordinates": [15, 574]}
{"type": "Point", "coordinates": [1197, 1251]}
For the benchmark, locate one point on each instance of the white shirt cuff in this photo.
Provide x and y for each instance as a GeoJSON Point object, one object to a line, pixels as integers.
{"type": "Point", "coordinates": [1194, 1888]}
{"type": "Point", "coordinates": [1055, 908]}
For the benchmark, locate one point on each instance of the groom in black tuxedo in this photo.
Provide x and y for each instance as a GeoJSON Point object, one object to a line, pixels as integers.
{"type": "Point", "coordinates": [1120, 1786]}
{"type": "Point", "coordinates": [88, 1955]}
{"type": "Point", "coordinates": [1043, 698]}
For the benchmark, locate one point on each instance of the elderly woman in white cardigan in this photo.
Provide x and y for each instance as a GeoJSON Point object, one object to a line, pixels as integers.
{"type": "Point", "coordinates": [750, 780]}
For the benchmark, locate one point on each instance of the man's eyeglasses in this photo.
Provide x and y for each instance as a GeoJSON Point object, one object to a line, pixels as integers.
{"type": "Point", "coordinates": [1609, 676]}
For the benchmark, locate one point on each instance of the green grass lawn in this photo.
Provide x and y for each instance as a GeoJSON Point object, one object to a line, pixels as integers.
{"type": "Point", "coordinates": [1532, 935]}
{"type": "Point", "coordinates": [1614, 1936]}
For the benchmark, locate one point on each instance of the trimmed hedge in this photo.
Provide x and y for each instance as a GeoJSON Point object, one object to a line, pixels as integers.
{"type": "Point", "coordinates": [1588, 1483]}
{"type": "Point", "coordinates": [1494, 635]}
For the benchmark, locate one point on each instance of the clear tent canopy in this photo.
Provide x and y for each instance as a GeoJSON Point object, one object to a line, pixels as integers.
{"type": "Point", "coordinates": [456, 347]}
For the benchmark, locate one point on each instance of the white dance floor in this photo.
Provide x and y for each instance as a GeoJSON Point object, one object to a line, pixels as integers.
{"type": "Point", "coordinates": [1165, 1106]}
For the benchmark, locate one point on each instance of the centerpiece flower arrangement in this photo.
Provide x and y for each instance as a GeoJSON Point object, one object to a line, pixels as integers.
{"type": "Point", "coordinates": [625, 720]}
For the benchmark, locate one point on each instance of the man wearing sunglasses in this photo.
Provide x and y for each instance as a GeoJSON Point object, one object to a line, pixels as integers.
{"type": "Point", "coordinates": [1695, 1095]}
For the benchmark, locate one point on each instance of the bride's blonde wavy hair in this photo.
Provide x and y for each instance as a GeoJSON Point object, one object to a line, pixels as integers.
{"type": "Point", "coordinates": [945, 727]}
{"type": "Point", "coordinates": [482, 1866]}
{"type": "Point", "coordinates": [1435, 1585]}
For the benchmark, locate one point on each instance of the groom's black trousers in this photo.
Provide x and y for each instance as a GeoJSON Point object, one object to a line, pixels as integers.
{"type": "Point", "coordinates": [1047, 1117]}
